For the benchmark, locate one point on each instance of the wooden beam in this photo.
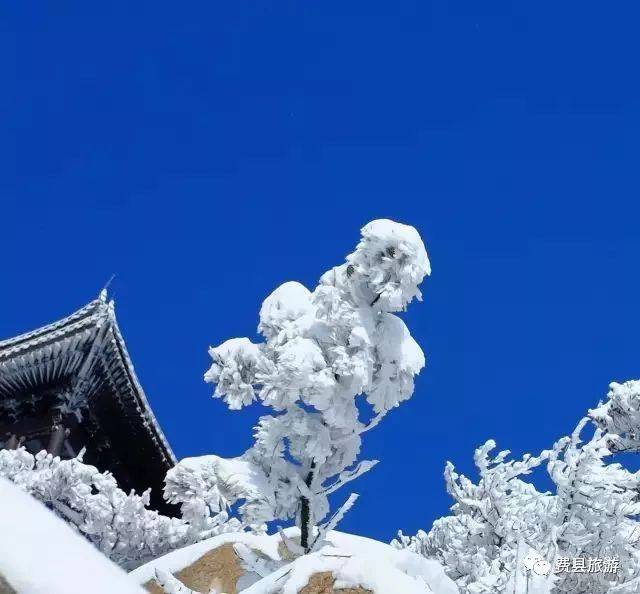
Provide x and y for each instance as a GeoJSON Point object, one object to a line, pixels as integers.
{"type": "Point", "coordinates": [13, 443]}
{"type": "Point", "coordinates": [58, 434]}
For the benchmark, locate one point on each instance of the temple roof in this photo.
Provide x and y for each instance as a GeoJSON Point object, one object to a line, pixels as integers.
{"type": "Point", "coordinates": [87, 353]}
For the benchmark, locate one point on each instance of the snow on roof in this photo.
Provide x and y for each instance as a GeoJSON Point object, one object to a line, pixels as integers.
{"type": "Point", "coordinates": [40, 554]}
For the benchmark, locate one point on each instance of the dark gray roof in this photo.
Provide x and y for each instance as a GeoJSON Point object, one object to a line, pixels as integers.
{"type": "Point", "coordinates": [88, 347]}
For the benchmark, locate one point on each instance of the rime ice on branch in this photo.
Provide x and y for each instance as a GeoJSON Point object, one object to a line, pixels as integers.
{"type": "Point", "coordinates": [619, 416]}
{"type": "Point", "coordinates": [322, 350]}
{"type": "Point", "coordinates": [117, 523]}
{"type": "Point", "coordinates": [592, 513]}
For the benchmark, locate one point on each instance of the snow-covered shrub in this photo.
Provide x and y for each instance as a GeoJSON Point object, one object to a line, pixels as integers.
{"type": "Point", "coordinates": [478, 543]}
{"type": "Point", "coordinates": [591, 515]}
{"type": "Point", "coordinates": [322, 350]}
{"type": "Point", "coordinates": [117, 523]}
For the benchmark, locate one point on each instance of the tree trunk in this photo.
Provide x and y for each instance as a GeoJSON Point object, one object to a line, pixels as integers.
{"type": "Point", "coordinates": [305, 513]}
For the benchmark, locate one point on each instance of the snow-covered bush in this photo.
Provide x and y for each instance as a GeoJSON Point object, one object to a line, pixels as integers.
{"type": "Point", "coordinates": [591, 515]}
{"type": "Point", "coordinates": [489, 519]}
{"type": "Point", "coordinates": [322, 350]}
{"type": "Point", "coordinates": [117, 523]}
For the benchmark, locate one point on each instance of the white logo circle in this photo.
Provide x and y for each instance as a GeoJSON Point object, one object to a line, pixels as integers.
{"type": "Point", "coordinates": [536, 563]}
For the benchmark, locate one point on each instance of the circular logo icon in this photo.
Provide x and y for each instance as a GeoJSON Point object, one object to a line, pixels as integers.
{"type": "Point", "coordinates": [541, 567]}
{"type": "Point", "coordinates": [536, 563]}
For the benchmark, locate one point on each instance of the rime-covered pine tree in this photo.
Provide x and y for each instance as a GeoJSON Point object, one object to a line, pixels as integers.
{"type": "Point", "coordinates": [591, 516]}
{"type": "Point", "coordinates": [492, 522]}
{"type": "Point", "coordinates": [594, 514]}
{"type": "Point", "coordinates": [323, 350]}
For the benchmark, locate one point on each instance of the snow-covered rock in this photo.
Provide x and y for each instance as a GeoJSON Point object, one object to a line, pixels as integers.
{"type": "Point", "coordinates": [40, 554]}
{"type": "Point", "coordinates": [262, 565]}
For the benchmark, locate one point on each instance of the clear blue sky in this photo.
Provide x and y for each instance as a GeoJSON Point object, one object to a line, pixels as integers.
{"type": "Point", "coordinates": [205, 152]}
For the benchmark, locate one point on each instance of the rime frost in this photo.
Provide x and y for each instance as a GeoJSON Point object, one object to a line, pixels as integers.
{"type": "Point", "coordinates": [207, 486]}
{"type": "Point", "coordinates": [591, 516]}
{"type": "Point", "coordinates": [619, 416]}
{"type": "Point", "coordinates": [322, 350]}
{"type": "Point", "coordinates": [117, 523]}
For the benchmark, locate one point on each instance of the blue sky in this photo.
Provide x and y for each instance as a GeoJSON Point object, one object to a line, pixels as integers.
{"type": "Point", "coordinates": [206, 152]}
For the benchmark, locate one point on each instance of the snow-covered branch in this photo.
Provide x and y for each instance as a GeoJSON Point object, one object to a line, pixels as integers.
{"type": "Point", "coordinates": [592, 513]}
{"type": "Point", "coordinates": [324, 529]}
{"type": "Point", "coordinates": [619, 417]}
{"type": "Point", "coordinates": [350, 475]}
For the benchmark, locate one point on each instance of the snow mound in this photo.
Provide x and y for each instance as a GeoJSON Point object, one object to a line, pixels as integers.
{"type": "Point", "coordinates": [349, 561]}
{"type": "Point", "coordinates": [40, 554]}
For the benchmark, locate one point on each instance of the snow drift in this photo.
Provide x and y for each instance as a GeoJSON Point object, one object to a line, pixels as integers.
{"type": "Point", "coordinates": [40, 554]}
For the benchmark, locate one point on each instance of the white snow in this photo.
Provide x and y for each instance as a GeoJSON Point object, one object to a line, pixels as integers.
{"type": "Point", "coordinates": [40, 554]}
{"type": "Point", "coordinates": [216, 484]}
{"type": "Point", "coordinates": [322, 352]}
{"type": "Point", "coordinates": [282, 309]}
{"type": "Point", "coordinates": [584, 532]}
{"type": "Point", "coordinates": [353, 560]}
{"type": "Point", "coordinates": [390, 262]}
{"type": "Point", "coordinates": [620, 416]}
{"type": "Point", "coordinates": [115, 521]}
{"type": "Point", "coordinates": [233, 370]}
{"type": "Point", "coordinates": [177, 560]}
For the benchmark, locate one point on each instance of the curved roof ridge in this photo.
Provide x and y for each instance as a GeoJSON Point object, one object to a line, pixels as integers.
{"type": "Point", "coordinates": [94, 314]}
{"type": "Point", "coordinates": [98, 305]}
{"type": "Point", "coordinates": [148, 411]}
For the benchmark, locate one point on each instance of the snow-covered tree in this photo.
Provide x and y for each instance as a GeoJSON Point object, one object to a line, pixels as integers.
{"type": "Point", "coordinates": [117, 523]}
{"type": "Point", "coordinates": [326, 354]}
{"type": "Point", "coordinates": [491, 520]}
{"type": "Point", "coordinates": [595, 512]}
{"type": "Point", "coordinates": [591, 516]}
